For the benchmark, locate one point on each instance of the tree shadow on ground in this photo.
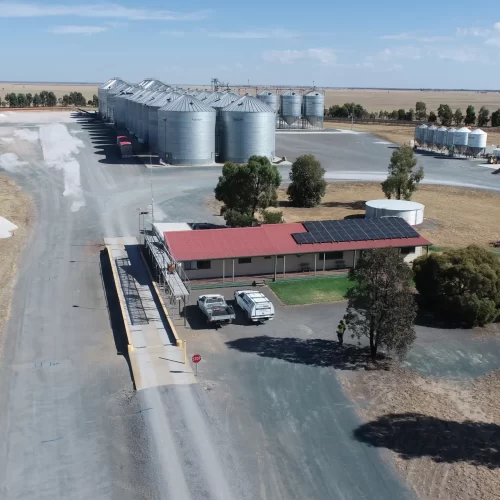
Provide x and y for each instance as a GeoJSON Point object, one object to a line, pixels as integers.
{"type": "Point", "coordinates": [351, 205]}
{"type": "Point", "coordinates": [313, 352]}
{"type": "Point", "coordinates": [431, 319]}
{"type": "Point", "coordinates": [414, 435]}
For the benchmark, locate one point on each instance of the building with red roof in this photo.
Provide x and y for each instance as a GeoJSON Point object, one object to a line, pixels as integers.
{"type": "Point", "coordinates": [273, 249]}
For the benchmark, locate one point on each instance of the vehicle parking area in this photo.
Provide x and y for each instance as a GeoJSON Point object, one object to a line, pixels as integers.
{"type": "Point", "coordinates": [274, 392]}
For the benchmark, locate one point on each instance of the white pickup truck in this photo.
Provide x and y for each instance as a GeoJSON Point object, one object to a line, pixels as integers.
{"type": "Point", "coordinates": [257, 306]}
{"type": "Point", "coordinates": [215, 308]}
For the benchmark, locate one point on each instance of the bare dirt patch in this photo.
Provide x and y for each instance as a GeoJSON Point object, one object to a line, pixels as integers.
{"type": "Point", "coordinates": [17, 207]}
{"type": "Point", "coordinates": [398, 134]}
{"type": "Point", "coordinates": [443, 435]}
{"type": "Point", "coordinates": [454, 216]}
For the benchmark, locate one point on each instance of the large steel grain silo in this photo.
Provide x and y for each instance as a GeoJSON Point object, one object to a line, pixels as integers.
{"type": "Point", "coordinates": [111, 100]}
{"type": "Point", "coordinates": [313, 109]}
{"type": "Point", "coordinates": [189, 132]}
{"type": "Point", "coordinates": [214, 96]}
{"type": "Point", "coordinates": [120, 103]}
{"type": "Point", "coordinates": [154, 125]}
{"type": "Point", "coordinates": [219, 104]}
{"type": "Point", "coordinates": [269, 98]}
{"type": "Point", "coordinates": [290, 108]}
{"type": "Point", "coordinates": [139, 113]}
{"type": "Point", "coordinates": [201, 96]}
{"type": "Point", "coordinates": [477, 142]}
{"type": "Point", "coordinates": [430, 133]}
{"type": "Point", "coordinates": [420, 134]}
{"type": "Point", "coordinates": [248, 128]}
{"type": "Point", "coordinates": [102, 93]}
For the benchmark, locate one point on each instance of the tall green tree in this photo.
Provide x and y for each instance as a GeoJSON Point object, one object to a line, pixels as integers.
{"type": "Point", "coordinates": [43, 98]}
{"type": "Point", "coordinates": [12, 100]}
{"type": "Point", "coordinates": [402, 180]}
{"type": "Point", "coordinates": [432, 117]}
{"type": "Point", "coordinates": [381, 305]}
{"type": "Point", "coordinates": [29, 99]}
{"type": "Point", "coordinates": [21, 101]}
{"type": "Point", "coordinates": [495, 118]}
{"type": "Point", "coordinates": [470, 115]}
{"type": "Point", "coordinates": [95, 101]}
{"type": "Point", "coordinates": [420, 110]}
{"type": "Point", "coordinates": [461, 286]}
{"type": "Point", "coordinates": [65, 100]}
{"type": "Point", "coordinates": [483, 117]}
{"type": "Point", "coordinates": [308, 184]}
{"type": "Point", "coordinates": [410, 115]}
{"type": "Point", "coordinates": [445, 114]}
{"type": "Point", "coordinates": [247, 188]}
{"type": "Point", "coordinates": [458, 117]}
{"type": "Point", "coordinates": [51, 99]}
{"type": "Point", "coordinates": [234, 218]}
{"type": "Point", "coordinates": [401, 114]}
{"type": "Point", "coordinates": [37, 101]}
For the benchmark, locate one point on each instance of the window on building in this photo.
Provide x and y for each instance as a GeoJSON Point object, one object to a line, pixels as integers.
{"type": "Point", "coordinates": [203, 264]}
{"type": "Point", "coordinates": [268, 257]}
{"type": "Point", "coordinates": [245, 260]}
{"type": "Point", "coordinates": [407, 250]}
{"type": "Point", "coordinates": [331, 255]}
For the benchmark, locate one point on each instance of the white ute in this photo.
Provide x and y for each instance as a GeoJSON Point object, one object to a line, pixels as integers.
{"type": "Point", "coordinates": [215, 309]}
{"type": "Point", "coordinates": [257, 306]}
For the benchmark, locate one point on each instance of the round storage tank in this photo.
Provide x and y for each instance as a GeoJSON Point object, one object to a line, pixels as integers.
{"type": "Point", "coordinates": [189, 132]}
{"type": "Point", "coordinates": [430, 135]}
{"type": "Point", "coordinates": [102, 93]}
{"type": "Point", "coordinates": [439, 136]}
{"type": "Point", "coordinates": [269, 98]}
{"type": "Point", "coordinates": [213, 97]}
{"type": "Point", "coordinates": [314, 109]}
{"type": "Point", "coordinates": [160, 126]}
{"type": "Point", "coordinates": [248, 128]}
{"type": "Point", "coordinates": [154, 125]}
{"type": "Point", "coordinates": [461, 137]}
{"type": "Point", "coordinates": [141, 125]}
{"type": "Point", "coordinates": [420, 133]}
{"type": "Point", "coordinates": [477, 139]}
{"type": "Point", "coordinates": [450, 135]}
{"type": "Point", "coordinates": [410, 211]}
{"type": "Point", "coordinates": [120, 106]}
{"type": "Point", "coordinates": [290, 107]}
{"type": "Point", "coordinates": [219, 104]}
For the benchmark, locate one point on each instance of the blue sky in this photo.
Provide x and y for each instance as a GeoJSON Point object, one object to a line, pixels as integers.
{"type": "Point", "coordinates": [357, 44]}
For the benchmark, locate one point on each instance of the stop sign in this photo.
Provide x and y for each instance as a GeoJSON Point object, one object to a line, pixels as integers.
{"type": "Point", "coordinates": [196, 358]}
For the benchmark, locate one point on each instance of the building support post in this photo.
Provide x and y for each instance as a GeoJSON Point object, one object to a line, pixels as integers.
{"type": "Point", "coordinates": [315, 255]}
{"type": "Point", "coordinates": [275, 266]}
{"type": "Point", "coordinates": [354, 261]}
{"type": "Point", "coordinates": [324, 261]}
{"type": "Point", "coordinates": [184, 311]}
{"type": "Point", "coordinates": [233, 270]}
{"type": "Point", "coordinates": [284, 265]}
{"type": "Point", "coordinates": [223, 270]}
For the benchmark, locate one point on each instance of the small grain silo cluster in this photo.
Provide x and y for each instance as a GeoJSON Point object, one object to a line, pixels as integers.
{"type": "Point", "coordinates": [462, 141]}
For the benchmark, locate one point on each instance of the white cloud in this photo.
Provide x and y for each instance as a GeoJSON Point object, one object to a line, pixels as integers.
{"type": "Point", "coordinates": [416, 38]}
{"type": "Point", "coordinates": [473, 31]}
{"type": "Point", "coordinates": [255, 34]}
{"type": "Point", "coordinates": [321, 55]}
{"type": "Point", "coordinates": [77, 30]}
{"type": "Point", "coordinates": [406, 52]}
{"type": "Point", "coordinates": [105, 10]}
{"type": "Point", "coordinates": [495, 42]}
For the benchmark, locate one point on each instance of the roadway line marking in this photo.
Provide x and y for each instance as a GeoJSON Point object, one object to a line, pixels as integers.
{"type": "Point", "coordinates": [50, 440]}
{"type": "Point", "coordinates": [145, 409]}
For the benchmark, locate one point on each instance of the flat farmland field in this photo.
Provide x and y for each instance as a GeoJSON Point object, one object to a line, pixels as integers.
{"type": "Point", "coordinates": [59, 89]}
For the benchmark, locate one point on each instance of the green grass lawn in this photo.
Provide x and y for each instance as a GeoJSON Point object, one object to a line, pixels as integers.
{"type": "Point", "coordinates": [311, 291]}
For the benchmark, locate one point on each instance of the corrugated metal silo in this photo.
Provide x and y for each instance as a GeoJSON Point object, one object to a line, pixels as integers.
{"type": "Point", "coordinates": [439, 136]}
{"type": "Point", "coordinates": [291, 107]}
{"type": "Point", "coordinates": [477, 141]}
{"type": "Point", "coordinates": [189, 132]}
{"type": "Point", "coordinates": [102, 93]}
{"type": "Point", "coordinates": [269, 98]}
{"type": "Point", "coordinates": [143, 128]}
{"type": "Point", "coordinates": [314, 108]}
{"type": "Point", "coordinates": [225, 100]}
{"type": "Point", "coordinates": [138, 119]}
{"type": "Point", "coordinates": [111, 100]}
{"type": "Point", "coordinates": [203, 95]}
{"type": "Point", "coordinates": [155, 127]}
{"type": "Point", "coordinates": [461, 139]}
{"type": "Point", "coordinates": [430, 135]}
{"type": "Point", "coordinates": [213, 97]}
{"type": "Point", "coordinates": [248, 128]}
{"type": "Point", "coordinates": [120, 103]}
{"type": "Point", "coordinates": [420, 133]}
{"type": "Point", "coordinates": [450, 137]}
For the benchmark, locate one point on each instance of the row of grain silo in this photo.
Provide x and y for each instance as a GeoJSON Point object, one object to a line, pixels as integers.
{"type": "Point", "coordinates": [296, 111]}
{"type": "Point", "coordinates": [462, 141]}
{"type": "Point", "coordinates": [190, 127]}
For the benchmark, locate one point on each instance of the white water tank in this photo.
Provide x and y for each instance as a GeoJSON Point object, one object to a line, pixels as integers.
{"type": "Point", "coordinates": [411, 211]}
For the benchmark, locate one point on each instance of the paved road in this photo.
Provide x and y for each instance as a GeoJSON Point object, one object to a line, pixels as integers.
{"type": "Point", "coordinates": [72, 425]}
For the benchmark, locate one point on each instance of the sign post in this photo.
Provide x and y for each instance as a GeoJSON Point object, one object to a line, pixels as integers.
{"type": "Point", "coordinates": [196, 359]}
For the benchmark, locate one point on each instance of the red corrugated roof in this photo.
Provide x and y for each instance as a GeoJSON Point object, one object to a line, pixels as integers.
{"type": "Point", "coordinates": [271, 239]}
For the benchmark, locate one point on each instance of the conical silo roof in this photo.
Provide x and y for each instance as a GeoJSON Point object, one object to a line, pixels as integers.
{"type": "Point", "coordinates": [290, 92]}
{"type": "Point", "coordinates": [213, 97]}
{"type": "Point", "coordinates": [225, 100]}
{"type": "Point", "coordinates": [248, 104]}
{"type": "Point", "coordinates": [187, 103]}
